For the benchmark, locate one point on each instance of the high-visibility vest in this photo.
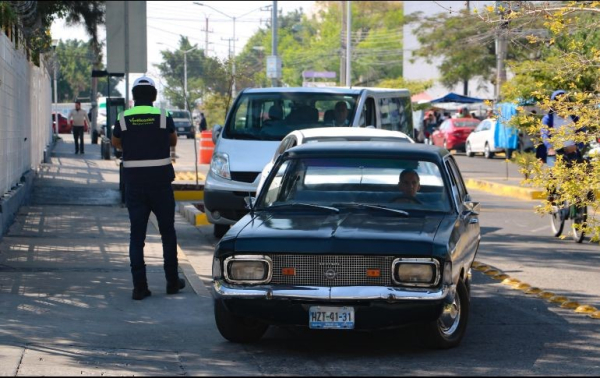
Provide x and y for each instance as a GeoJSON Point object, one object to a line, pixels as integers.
{"type": "Point", "coordinates": [145, 139]}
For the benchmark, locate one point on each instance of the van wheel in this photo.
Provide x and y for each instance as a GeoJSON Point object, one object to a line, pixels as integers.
{"type": "Point", "coordinates": [220, 230]}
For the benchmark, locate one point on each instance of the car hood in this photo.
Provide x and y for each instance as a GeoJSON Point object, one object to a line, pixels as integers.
{"type": "Point", "coordinates": [347, 233]}
{"type": "Point", "coordinates": [246, 155]}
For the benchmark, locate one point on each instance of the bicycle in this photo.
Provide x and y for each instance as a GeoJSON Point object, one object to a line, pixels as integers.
{"type": "Point", "coordinates": [576, 214]}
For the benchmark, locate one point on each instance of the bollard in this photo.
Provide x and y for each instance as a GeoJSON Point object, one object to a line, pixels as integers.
{"type": "Point", "coordinates": [105, 148]}
{"type": "Point", "coordinates": [206, 147]}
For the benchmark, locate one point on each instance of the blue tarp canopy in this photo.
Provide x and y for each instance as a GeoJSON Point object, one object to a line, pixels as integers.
{"type": "Point", "coordinates": [455, 97]}
{"type": "Point", "coordinates": [505, 136]}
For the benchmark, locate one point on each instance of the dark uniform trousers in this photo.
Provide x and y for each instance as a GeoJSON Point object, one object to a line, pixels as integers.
{"type": "Point", "coordinates": [141, 200]}
{"type": "Point", "coordinates": [78, 136]}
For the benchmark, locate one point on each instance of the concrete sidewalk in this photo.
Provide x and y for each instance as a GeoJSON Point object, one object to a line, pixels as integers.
{"type": "Point", "coordinates": [65, 283]}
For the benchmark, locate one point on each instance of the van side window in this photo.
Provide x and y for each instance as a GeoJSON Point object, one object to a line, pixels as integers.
{"type": "Point", "coordinates": [386, 107]}
{"type": "Point", "coordinates": [396, 114]}
{"type": "Point", "coordinates": [405, 114]}
{"type": "Point", "coordinates": [367, 115]}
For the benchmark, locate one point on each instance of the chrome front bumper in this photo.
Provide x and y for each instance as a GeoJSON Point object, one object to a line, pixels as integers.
{"type": "Point", "coordinates": [348, 293]}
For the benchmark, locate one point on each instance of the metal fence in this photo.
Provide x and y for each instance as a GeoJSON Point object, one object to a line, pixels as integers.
{"type": "Point", "coordinates": [25, 114]}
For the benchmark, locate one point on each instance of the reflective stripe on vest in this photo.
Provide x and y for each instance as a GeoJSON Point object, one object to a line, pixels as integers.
{"type": "Point", "coordinates": [146, 163]}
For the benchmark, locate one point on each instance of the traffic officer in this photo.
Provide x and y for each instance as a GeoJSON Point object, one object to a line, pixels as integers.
{"type": "Point", "coordinates": [145, 134]}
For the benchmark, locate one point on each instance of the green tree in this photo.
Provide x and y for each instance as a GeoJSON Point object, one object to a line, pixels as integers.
{"type": "Point", "coordinates": [465, 45]}
{"type": "Point", "coordinates": [75, 59]}
{"type": "Point", "coordinates": [205, 75]}
{"type": "Point", "coordinates": [315, 44]}
{"type": "Point", "coordinates": [569, 60]}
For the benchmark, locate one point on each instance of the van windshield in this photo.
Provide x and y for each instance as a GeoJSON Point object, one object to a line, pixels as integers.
{"type": "Point", "coordinates": [271, 116]}
{"type": "Point", "coordinates": [180, 114]}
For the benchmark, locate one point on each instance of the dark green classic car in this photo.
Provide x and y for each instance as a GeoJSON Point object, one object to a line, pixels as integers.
{"type": "Point", "coordinates": [340, 238]}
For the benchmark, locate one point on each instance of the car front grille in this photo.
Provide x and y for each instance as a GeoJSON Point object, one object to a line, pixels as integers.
{"type": "Point", "coordinates": [331, 270]}
{"type": "Point", "coordinates": [244, 176]}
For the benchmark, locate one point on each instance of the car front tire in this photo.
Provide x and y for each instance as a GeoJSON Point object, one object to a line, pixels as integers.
{"type": "Point", "coordinates": [237, 329]}
{"type": "Point", "coordinates": [468, 150]}
{"type": "Point", "coordinates": [487, 152]}
{"type": "Point", "coordinates": [448, 330]}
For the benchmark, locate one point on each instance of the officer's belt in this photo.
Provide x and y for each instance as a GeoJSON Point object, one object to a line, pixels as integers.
{"type": "Point", "coordinates": [146, 163]}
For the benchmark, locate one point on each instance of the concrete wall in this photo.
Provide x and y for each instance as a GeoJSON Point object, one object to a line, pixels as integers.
{"type": "Point", "coordinates": [25, 125]}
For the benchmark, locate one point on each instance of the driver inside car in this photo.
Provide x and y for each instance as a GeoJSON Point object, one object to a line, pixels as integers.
{"type": "Point", "coordinates": [409, 184]}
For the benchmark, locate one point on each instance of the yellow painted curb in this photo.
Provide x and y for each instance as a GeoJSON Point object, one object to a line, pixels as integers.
{"type": "Point", "coordinates": [569, 305]}
{"type": "Point", "coordinates": [558, 299]}
{"type": "Point", "coordinates": [511, 281]}
{"type": "Point", "coordinates": [189, 195]}
{"type": "Point", "coordinates": [508, 190]}
{"type": "Point", "coordinates": [533, 290]}
{"type": "Point", "coordinates": [202, 220]}
{"type": "Point", "coordinates": [595, 315]}
{"type": "Point", "coordinates": [500, 276]}
{"type": "Point", "coordinates": [482, 268]}
{"type": "Point", "coordinates": [545, 294]}
{"type": "Point", "coordinates": [522, 286]}
{"type": "Point", "coordinates": [475, 264]}
{"type": "Point", "coordinates": [189, 176]}
{"type": "Point", "coordinates": [491, 272]}
{"type": "Point", "coordinates": [586, 309]}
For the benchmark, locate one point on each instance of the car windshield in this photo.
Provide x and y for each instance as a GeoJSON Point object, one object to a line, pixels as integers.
{"type": "Point", "coordinates": [271, 116]}
{"type": "Point", "coordinates": [344, 181]}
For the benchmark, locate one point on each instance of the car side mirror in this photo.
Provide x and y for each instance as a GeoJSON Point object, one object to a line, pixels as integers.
{"type": "Point", "coordinates": [216, 131]}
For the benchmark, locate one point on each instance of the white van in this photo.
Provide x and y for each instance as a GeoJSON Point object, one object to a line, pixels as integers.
{"type": "Point", "coordinates": [260, 118]}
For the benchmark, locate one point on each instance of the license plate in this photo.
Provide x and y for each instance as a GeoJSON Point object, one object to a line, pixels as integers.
{"type": "Point", "coordinates": [331, 317]}
{"type": "Point", "coordinates": [181, 129]}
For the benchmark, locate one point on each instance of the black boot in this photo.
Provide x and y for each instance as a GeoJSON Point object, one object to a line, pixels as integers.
{"type": "Point", "coordinates": [173, 287]}
{"type": "Point", "coordinates": [140, 292]}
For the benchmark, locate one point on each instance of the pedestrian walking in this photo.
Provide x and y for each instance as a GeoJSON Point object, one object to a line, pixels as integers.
{"type": "Point", "coordinates": [78, 119]}
{"type": "Point", "coordinates": [203, 125]}
{"type": "Point", "coordinates": [145, 134]}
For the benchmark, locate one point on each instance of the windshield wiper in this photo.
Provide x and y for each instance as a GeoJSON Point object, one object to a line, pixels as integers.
{"type": "Point", "coordinates": [302, 204]}
{"type": "Point", "coordinates": [374, 207]}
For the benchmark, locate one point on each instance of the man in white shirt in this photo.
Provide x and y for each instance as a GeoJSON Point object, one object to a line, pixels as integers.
{"type": "Point", "coordinates": [78, 119]}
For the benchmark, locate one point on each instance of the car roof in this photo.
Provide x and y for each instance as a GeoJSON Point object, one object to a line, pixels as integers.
{"type": "Point", "coordinates": [333, 90]}
{"type": "Point", "coordinates": [415, 151]}
{"type": "Point", "coordinates": [349, 132]}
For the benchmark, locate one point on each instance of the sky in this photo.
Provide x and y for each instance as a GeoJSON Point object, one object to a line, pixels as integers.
{"type": "Point", "coordinates": [167, 20]}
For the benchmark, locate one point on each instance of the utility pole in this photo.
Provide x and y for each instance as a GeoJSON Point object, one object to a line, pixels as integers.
{"type": "Point", "coordinates": [349, 44]}
{"type": "Point", "coordinates": [274, 38]}
{"type": "Point", "coordinates": [501, 8]}
{"type": "Point", "coordinates": [343, 46]}
{"type": "Point", "coordinates": [206, 31]}
{"type": "Point", "coordinates": [466, 82]}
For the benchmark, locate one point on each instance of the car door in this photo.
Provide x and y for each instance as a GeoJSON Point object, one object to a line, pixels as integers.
{"type": "Point", "coordinates": [477, 137]}
{"type": "Point", "coordinates": [467, 222]}
{"type": "Point", "coordinates": [437, 137]}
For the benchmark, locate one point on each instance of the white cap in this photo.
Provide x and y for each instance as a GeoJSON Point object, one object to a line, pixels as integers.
{"type": "Point", "coordinates": [144, 80]}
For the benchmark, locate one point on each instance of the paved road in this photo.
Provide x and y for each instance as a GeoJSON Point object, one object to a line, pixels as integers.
{"type": "Point", "coordinates": [65, 304]}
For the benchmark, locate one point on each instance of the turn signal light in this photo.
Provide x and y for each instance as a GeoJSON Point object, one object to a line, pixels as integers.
{"type": "Point", "coordinates": [288, 271]}
{"type": "Point", "coordinates": [373, 273]}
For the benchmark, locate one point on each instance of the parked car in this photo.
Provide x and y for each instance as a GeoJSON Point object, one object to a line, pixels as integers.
{"type": "Point", "coordinates": [452, 133]}
{"type": "Point", "coordinates": [183, 123]}
{"type": "Point", "coordinates": [481, 140]}
{"type": "Point", "coordinates": [331, 243]}
{"type": "Point", "coordinates": [261, 117]}
{"type": "Point", "coordinates": [64, 127]}
{"type": "Point", "coordinates": [329, 134]}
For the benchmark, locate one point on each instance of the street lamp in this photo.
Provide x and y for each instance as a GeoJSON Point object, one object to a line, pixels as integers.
{"type": "Point", "coordinates": [55, 66]}
{"type": "Point", "coordinates": [185, 91]}
{"type": "Point", "coordinates": [233, 53]}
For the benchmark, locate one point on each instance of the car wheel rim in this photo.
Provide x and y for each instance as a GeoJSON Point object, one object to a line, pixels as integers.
{"type": "Point", "coordinates": [450, 318]}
